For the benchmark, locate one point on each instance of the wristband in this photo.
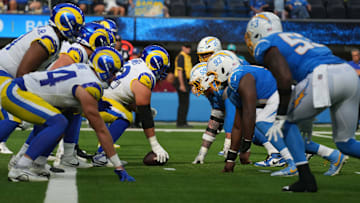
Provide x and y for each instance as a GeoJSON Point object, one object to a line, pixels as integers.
{"type": "Point", "coordinates": [153, 141]}
{"type": "Point", "coordinates": [115, 160]}
{"type": "Point", "coordinates": [231, 156]}
{"type": "Point", "coordinates": [208, 138]}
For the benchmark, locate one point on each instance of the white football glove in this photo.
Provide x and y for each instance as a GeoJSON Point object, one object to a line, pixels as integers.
{"type": "Point", "coordinates": [276, 128]}
{"type": "Point", "coordinates": [161, 155]}
{"type": "Point", "coordinates": [199, 159]}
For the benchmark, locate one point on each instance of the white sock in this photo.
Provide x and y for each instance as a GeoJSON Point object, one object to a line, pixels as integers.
{"type": "Point", "coordinates": [41, 160]}
{"type": "Point", "coordinates": [23, 149]}
{"type": "Point", "coordinates": [227, 143]}
{"type": "Point", "coordinates": [324, 151]}
{"type": "Point", "coordinates": [69, 149]}
{"type": "Point", "coordinates": [286, 154]}
{"type": "Point", "coordinates": [270, 148]}
{"type": "Point", "coordinates": [24, 162]}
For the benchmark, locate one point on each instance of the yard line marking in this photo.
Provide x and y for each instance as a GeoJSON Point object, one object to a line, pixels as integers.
{"type": "Point", "coordinates": [62, 187]}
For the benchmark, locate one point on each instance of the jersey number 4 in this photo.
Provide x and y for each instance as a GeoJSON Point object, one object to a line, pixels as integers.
{"type": "Point", "coordinates": [57, 76]}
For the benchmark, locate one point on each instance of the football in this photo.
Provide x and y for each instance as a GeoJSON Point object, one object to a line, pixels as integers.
{"type": "Point", "coordinates": [150, 160]}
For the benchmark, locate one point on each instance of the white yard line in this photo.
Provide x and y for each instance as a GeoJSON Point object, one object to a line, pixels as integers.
{"type": "Point", "coordinates": [62, 187]}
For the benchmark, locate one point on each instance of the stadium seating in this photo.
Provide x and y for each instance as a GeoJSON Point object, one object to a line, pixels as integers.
{"type": "Point", "coordinates": [317, 9]}
{"type": "Point", "coordinates": [335, 9]}
{"type": "Point", "coordinates": [196, 8]}
{"type": "Point", "coordinates": [177, 8]}
{"type": "Point", "coordinates": [353, 9]}
{"type": "Point", "coordinates": [216, 8]}
{"type": "Point", "coordinates": [238, 8]}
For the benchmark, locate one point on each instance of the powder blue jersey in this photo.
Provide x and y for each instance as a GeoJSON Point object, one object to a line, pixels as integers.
{"type": "Point", "coordinates": [264, 81]}
{"type": "Point", "coordinates": [216, 100]}
{"type": "Point", "coordinates": [301, 53]}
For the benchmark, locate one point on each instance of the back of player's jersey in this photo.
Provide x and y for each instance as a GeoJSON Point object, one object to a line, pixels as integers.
{"type": "Point", "coordinates": [58, 86]}
{"type": "Point", "coordinates": [264, 81]}
{"type": "Point", "coordinates": [134, 69]}
{"type": "Point", "coordinates": [301, 53]}
{"type": "Point", "coordinates": [15, 51]}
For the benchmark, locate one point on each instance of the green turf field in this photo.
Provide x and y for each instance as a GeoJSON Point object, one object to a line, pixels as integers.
{"type": "Point", "coordinates": [188, 183]}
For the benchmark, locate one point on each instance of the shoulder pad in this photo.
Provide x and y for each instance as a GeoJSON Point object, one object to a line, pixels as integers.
{"type": "Point", "coordinates": [147, 80]}
{"type": "Point", "coordinates": [94, 89]}
{"type": "Point", "coordinates": [49, 44]}
{"type": "Point", "coordinates": [261, 47]}
{"type": "Point", "coordinates": [76, 54]}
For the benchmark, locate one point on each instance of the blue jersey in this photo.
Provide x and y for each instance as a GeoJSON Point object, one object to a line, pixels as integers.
{"type": "Point", "coordinates": [264, 81]}
{"type": "Point", "coordinates": [216, 100]}
{"type": "Point", "coordinates": [301, 53]}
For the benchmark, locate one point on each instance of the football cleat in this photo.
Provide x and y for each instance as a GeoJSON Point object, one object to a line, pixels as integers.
{"type": "Point", "coordinates": [288, 171]}
{"type": "Point", "coordinates": [308, 185]}
{"type": "Point", "coordinates": [100, 160]}
{"type": "Point", "coordinates": [73, 161]}
{"type": "Point", "coordinates": [41, 170]}
{"type": "Point", "coordinates": [221, 153]}
{"type": "Point", "coordinates": [337, 160]}
{"type": "Point", "coordinates": [13, 161]}
{"type": "Point", "coordinates": [24, 175]}
{"type": "Point", "coordinates": [273, 160]}
{"type": "Point", "coordinates": [4, 149]}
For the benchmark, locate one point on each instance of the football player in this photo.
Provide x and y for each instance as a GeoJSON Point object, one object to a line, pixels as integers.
{"type": "Point", "coordinates": [132, 92]}
{"type": "Point", "coordinates": [91, 36]}
{"type": "Point", "coordinates": [78, 86]}
{"type": "Point", "coordinates": [323, 80]}
{"type": "Point", "coordinates": [36, 50]}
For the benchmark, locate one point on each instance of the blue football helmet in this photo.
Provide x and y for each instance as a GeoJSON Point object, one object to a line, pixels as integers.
{"type": "Point", "coordinates": [68, 19]}
{"type": "Point", "coordinates": [157, 60]}
{"type": "Point", "coordinates": [94, 35]}
{"type": "Point", "coordinates": [106, 61]}
{"type": "Point", "coordinates": [110, 24]}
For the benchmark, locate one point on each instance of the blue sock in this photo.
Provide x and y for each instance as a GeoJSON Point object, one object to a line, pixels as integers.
{"type": "Point", "coordinates": [72, 132]}
{"type": "Point", "coordinates": [259, 138]}
{"type": "Point", "coordinates": [351, 147]}
{"type": "Point", "coordinates": [264, 127]}
{"type": "Point", "coordinates": [294, 142]}
{"type": "Point", "coordinates": [54, 127]}
{"type": "Point", "coordinates": [34, 132]}
{"type": "Point", "coordinates": [116, 129]}
{"type": "Point", "coordinates": [311, 147]}
{"type": "Point", "coordinates": [7, 127]}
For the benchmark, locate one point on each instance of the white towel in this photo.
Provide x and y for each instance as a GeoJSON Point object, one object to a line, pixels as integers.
{"type": "Point", "coordinates": [321, 95]}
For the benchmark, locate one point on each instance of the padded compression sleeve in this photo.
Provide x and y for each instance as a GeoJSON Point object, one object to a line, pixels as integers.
{"type": "Point", "coordinates": [146, 117]}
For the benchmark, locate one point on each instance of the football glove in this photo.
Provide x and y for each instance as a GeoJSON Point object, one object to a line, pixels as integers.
{"type": "Point", "coordinates": [124, 176]}
{"type": "Point", "coordinates": [276, 128]}
{"type": "Point", "coordinates": [161, 155]}
{"type": "Point", "coordinates": [199, 159]}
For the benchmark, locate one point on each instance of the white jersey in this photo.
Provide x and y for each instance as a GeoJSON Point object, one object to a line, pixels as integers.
{"type": "Point", "coordinates": [134, 69]}
{"type": "Point", "coordinates": [15, 51]}
{"type": "Point", "coordinates": [57, 87]}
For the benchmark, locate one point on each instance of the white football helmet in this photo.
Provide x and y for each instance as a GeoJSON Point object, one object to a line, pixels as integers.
{"type": "Point", "coordinates": [207, 46]}
{"type": "Point", "coordinates": [260, 26]}
{"type": "Point", "coordinates": [219, 68]}
{"type": "Point", "coordinates": [197, 75]}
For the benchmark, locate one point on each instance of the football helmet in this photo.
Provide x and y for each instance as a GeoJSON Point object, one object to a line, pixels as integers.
{"type": "Point", "coordinates": [68, 19]}
{"type": "Point", "coordinates": [260, 26]}
{"type": "Point", "coordinates": [106, 61]}
{"type": "Point", "coordinates": [110, 25]}
{"type": "Point", "coordinates": [94, 35]}
{"type": "Point", "coordinates": [207, 46]}
{"type": "Point", "coordinates": [157, 60]}
{"type": "Point", "coordinates": [197, 74]}
{"type": "Point", "coordinates": [219, 67]}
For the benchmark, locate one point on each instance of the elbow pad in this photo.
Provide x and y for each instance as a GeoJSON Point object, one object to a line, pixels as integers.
{"type": "Point", "coordinates": [146, 117]}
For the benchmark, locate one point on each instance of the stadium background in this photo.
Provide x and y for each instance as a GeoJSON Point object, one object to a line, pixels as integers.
{"type": "Point", "coordinates": [341, 35]}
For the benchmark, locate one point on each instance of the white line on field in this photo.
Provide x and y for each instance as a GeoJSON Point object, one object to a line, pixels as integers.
{"type": "Point", "coordinates": [62, 187]}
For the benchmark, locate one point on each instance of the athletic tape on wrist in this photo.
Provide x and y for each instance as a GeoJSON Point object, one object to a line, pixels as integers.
{"type": "Point", "coordinates": [153, 141]}
{"type": "Point", "coordinates": [208, 138]}
{"type": "Point", "coordinates": [115, 160]}
{"type": "Point", "coordinates": [231, 156]}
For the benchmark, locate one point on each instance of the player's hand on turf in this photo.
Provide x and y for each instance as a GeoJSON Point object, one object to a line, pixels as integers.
{"type": "Point", "coordinates": [229, 167]}
{"type": "Point", "coordinates": [276, 129]}
{"type": "Point", "coordinates": [161, 155]}
{"type": "Point", "coordinates": [124, 176]}
{"type": "Point", "coordinates": [199, 159]}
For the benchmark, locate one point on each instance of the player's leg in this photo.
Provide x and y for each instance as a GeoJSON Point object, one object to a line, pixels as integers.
{"type": "Point", "coordinates": [71, 137]}
{"type": "Point", "coordinates": [119, 118]}
{"type": "Point", "coordinates": [345, 100]}
{"type": "Point", "coordinates": [31, 108]}
{"type": "Point", "coordinates": [334, 156]}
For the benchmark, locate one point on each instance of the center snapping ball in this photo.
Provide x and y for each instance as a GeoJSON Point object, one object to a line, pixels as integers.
{"type": "Point", "coordinates": [150, 159]}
